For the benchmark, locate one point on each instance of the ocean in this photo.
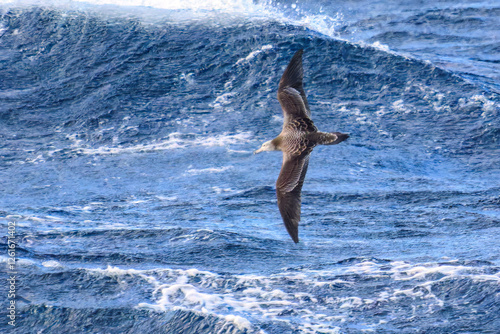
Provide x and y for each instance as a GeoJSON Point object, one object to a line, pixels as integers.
{"type": "Point", "coordinates": [131, 200]}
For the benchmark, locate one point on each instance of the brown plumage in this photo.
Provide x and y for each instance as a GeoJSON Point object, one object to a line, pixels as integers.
{"type": "Point", "coordinates": [297, 139]}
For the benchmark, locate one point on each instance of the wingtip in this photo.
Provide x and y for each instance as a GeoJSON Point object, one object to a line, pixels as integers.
{"type": "Point", "coordinates": [298, 54]}
{"type": "Point", "coordinates": [293, 230]}
{"type": "Point", "coordinates": [343, 136]}
{"type": "Point", "coordinates": [293, 74]}
{"type": "Point", "coordinates": [294, 235]}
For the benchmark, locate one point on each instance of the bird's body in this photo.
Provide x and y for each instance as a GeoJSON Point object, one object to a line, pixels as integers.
{"type": "Point", "coordinates": [297, 139]}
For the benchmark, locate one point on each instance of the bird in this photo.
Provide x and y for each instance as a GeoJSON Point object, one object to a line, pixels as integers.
{"type": "Point", "coordinates": [297, 139]}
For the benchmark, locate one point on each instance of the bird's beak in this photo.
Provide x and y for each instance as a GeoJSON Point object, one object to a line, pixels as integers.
{"type": "Point", "coordinates": [258, 151]}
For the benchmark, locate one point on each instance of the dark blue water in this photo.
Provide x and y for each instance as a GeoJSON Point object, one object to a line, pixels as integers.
{"type": "Point", "coordinates": [126, 140]}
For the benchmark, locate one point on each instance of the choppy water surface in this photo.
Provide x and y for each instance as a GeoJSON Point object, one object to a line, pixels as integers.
{"type": "Point", "coordinates": [126, 140]}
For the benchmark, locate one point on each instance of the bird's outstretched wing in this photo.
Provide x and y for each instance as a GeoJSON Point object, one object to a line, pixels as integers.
{"type": "Point", "coordinates": [288, 191]}
{"type": "Point", "coordinates": [291, 92]}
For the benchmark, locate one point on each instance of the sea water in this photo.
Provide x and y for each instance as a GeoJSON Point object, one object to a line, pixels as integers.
{"type": "Point", "coordinates": [127, 175]}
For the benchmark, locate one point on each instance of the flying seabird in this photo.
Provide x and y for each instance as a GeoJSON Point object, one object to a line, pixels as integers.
{"type": "Point", "coordinates": [297, 139]}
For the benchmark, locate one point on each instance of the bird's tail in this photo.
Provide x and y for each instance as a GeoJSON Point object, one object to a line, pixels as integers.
{"type": "Point", "coordinates": [329, 138]}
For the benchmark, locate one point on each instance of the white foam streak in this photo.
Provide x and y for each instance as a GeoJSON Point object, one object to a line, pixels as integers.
{"type": "Point", "coordinates": [52, 264]}
{"type": "Point", "coordinates": [172, 142]}
{"type": "Point", "coordinates": [253, 54]}
{"type": "Point", "coordinates": [194, 171]}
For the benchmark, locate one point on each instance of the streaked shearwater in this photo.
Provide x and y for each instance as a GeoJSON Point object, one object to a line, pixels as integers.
{"type": "Point", "coordinates": [297, 139]}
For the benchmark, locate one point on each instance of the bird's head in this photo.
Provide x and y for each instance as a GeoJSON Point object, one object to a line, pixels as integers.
{"type": "Point", "coordinates": [267, 146]}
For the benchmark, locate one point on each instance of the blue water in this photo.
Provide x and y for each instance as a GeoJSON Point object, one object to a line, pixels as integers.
{"type": "Point", "coordinates": [126, 140]}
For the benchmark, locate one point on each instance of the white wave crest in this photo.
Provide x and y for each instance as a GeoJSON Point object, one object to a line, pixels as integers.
{"type": "Point", "coordinates": [320, 300]}
{"type": "Point", "coordinates": [206, 11]}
